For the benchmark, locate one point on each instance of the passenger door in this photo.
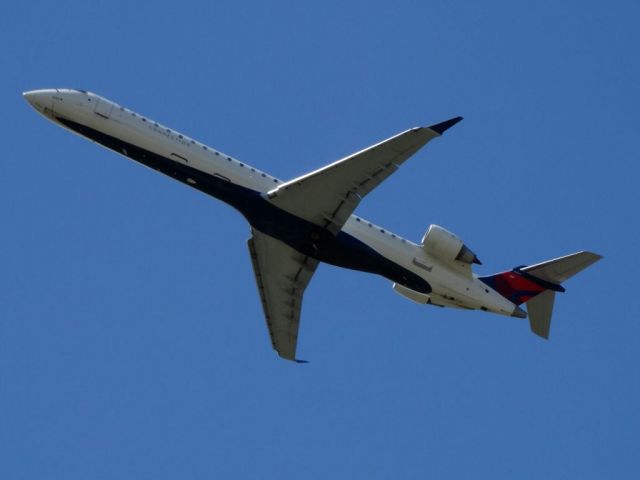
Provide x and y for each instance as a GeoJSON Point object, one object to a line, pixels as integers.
{"type": "Point", "coordinates": [103, 108]}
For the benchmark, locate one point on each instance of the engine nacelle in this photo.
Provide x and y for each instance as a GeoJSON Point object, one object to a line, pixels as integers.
{"type": "Point", "coordinates": [444, 245]}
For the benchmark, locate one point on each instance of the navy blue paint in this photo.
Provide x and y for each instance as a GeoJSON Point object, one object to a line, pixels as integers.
{"type": "Point", "coordinates": [442, 127]}
{"type": "Point", "coordinates": [491, 282]}
{"type": "Point", "coordinates": [538, 281]}
{"type": "Point", "coordinates": [342, 250]}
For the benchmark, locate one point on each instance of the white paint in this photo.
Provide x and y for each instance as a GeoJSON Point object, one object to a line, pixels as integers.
{"type": "Point", "coordinates": [452, 281]}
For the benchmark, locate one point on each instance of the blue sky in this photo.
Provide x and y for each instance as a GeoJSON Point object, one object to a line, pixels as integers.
{"type": "Point", "coordinates": [132, 342]}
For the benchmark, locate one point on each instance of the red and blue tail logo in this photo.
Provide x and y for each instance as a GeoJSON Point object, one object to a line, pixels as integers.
{"type": "Point", "coordinates": [518, 286]}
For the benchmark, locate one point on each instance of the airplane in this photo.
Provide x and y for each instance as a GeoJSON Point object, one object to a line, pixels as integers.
{"type": "Point", "coordinates": [298, 223]}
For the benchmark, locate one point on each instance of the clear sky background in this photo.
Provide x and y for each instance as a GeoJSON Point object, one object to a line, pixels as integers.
{"type": "Point", "coordinates": [132, 340]}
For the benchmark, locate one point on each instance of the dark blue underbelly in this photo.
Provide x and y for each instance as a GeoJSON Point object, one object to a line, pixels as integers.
{"type": "Point", "coordinates": [342, 250]}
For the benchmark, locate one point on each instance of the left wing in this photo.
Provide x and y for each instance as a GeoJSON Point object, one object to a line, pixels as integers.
{"type": "Point", "coordinates": [282, 274]}
{"type": "Point", "coordinates": [328, 196]}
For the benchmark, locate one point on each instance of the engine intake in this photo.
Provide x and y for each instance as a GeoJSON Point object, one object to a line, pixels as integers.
{"type": "Point", "coordinates": [444, 245]}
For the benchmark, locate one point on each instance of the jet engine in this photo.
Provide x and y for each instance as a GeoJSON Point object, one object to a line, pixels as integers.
{"type": "Point", "coordinates": [443, 244]}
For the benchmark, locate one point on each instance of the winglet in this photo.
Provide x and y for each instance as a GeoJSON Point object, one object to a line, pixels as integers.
{"type": "Point", "coordinates": [442, 127]}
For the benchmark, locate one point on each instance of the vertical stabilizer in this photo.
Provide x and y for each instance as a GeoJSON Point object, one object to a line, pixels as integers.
{"type": "Point", "coordinates": [540, 309]}
{"type": "Point", "coordinates": [537, 285]}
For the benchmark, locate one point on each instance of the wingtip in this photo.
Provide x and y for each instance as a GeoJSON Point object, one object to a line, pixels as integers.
{"type": "Point", "coordinates": [290, 358]}
{"type": "Point", "coordinates": [442, 127]}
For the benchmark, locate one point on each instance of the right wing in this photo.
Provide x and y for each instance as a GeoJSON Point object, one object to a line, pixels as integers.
{"type": "Point", "coordinates": [282, 274]}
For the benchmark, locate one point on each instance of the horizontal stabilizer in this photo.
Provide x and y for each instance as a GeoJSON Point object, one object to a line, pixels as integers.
{"type": "Point", "coordinates": [537, 285]}
{"type": "Point", "coordinates": [560, 269]}
{"type": "Point", "coordinates": [556, 271]}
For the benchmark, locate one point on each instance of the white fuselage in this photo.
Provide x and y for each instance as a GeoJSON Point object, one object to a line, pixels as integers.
{"type": "Point", "coordinates": [452, 283]}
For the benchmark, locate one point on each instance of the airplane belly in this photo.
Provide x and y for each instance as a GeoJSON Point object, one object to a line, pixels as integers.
{"type": "Point", "coordinates": [342, 250]}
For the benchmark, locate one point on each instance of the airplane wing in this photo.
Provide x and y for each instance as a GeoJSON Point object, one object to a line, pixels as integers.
{"type": "Point", "coordinates": [282, 274]}
{"type": "Point", "coordinates": [328, 196]}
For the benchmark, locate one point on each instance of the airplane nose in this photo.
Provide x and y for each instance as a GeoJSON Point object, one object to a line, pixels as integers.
{"type": "Point", "coordinates": [31, 97]}
{"type": "Point", "coordinates": [39, 99]}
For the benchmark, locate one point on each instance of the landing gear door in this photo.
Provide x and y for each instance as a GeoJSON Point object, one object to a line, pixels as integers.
{"type": "Point", "coordinates": [103, 108]}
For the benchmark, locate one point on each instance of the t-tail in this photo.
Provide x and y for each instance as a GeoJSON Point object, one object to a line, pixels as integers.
{"type": "Point", "coordinates": [537, 285]}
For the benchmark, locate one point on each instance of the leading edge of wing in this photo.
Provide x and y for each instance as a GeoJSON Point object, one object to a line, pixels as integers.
{"type": "Point", "coordinates": [438, 129]}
